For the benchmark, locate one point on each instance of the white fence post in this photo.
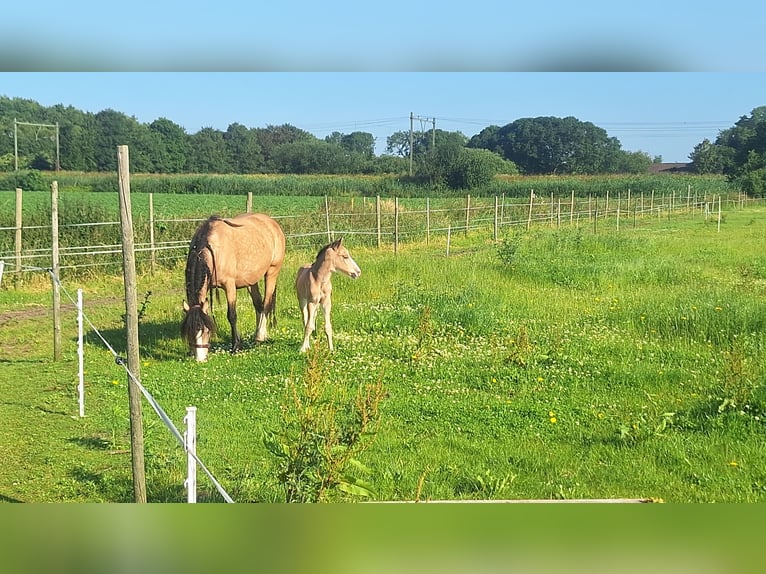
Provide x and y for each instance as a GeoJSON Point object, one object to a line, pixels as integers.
{"type": "Point", "coordinates": [190, 443]}
{"type": "Point", "coordinates": [80, 354]}
{"type": "Point", "coordinates": [2, 268]}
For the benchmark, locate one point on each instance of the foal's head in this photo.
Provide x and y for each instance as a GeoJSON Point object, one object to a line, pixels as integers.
{"type": "Point", "coordinates": [342, 260]}
{"type": "Point", "coordinates": [196, 329]}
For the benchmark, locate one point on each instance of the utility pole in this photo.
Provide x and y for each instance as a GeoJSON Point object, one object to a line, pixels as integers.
{"type": "Point", "coordinates": [433, 134]}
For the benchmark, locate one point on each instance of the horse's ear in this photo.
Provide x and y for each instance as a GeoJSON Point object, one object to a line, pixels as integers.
{"type": "Point", "coordinates": [337, 243]}
{"type": "Point", "coordinates": [186, 307]}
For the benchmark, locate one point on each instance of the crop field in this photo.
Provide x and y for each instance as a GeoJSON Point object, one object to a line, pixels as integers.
{"type": "Point", "coordinates": [554, 363]}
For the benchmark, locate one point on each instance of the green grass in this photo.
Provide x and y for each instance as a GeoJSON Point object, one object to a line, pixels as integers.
{"type": "Point", "coordinates": [556, 364]}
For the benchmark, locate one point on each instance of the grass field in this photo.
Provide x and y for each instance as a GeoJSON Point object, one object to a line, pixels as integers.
{"type": "Point", "coordinates": [557, 364]}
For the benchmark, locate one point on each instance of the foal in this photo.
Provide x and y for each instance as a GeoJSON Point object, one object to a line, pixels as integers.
{"type": "Point", "coordinates": [313, 287]}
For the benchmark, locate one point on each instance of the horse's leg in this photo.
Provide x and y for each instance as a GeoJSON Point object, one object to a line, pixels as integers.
{"type": "Point", "coordinates": [269, 303]}
{"type": "Point", "coordinates": [255, 295]}
{"type": "Point", "coordinates": [231, 314]}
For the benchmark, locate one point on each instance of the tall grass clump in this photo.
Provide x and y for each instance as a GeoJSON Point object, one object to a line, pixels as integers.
{"type": "Point", "coordinates": [323, 431]}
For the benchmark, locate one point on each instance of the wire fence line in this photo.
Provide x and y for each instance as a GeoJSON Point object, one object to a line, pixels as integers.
{"type": "Point", "coordinates": [375, 223]}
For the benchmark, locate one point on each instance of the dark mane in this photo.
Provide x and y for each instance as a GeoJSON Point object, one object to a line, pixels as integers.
{"type": "Point", "coordinates": [198, 272]}
{"type": "Point", "coordinates": [321, 252]}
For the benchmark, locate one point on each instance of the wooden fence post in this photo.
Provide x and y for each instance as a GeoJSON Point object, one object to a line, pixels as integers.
{"type": "Point", "coordinates": [396, 225]}
{"type": "Point", "coordinates": [152, 251]}
{"type": "Point", "coordinates": [572, 209]}
{"type": "Point", "coordinates": [428, 220]}
{"type": "Point", "coordinates": [467, 212]}
{"type": "Point", "coordinates": [377, 216]}
{"type": "Point", "coordinates": [131, 327]}
{"type": "Point", "coordinates": [327, 218]}
{"type": "Point", "coordinates": [531, 201]}
{"type": "Point", "coordinates": [56, 268]}
{"type": "Point", "coordinates": [19, 199]}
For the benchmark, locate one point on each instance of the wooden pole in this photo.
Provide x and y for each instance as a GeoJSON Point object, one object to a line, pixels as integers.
{"type": "Point", "coordinates": [551, 210]}
{"type": "Point", "coordinates": [494, 235]}
{"type": "Point", "coordinates": [249, 203]}
{"type": "Point", "coordinates": [571, 209]}
{"type": "Point", "coordinates": [428, 220]}
{"type": "Point", "coordinates": [467, 212]}
{"type": "Point", "coordinates": [152, 251]}
{"type": "Point", "coordinates": [396, 225]}
{"type": "Point", "coordinates": [449, 236]}
{"type": "Point", "coordinates": [377, 216]}
{"type": "Point", "coordinates": [55, 269]}
{"type": "Point", "coordinates": [531, 200]}
{"type": "Point", "coordinates": [131, 326]}
{"type": "Point", "coordinates": [719, 213]}
{"type": "Point", "coordinates": [19, 199]}
{"type": "Point", "coordinates": [327, 218]}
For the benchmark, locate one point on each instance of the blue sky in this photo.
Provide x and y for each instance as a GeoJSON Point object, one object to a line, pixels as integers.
{"type": "Point", "coordinates": [396, 35]}
{"type": "Point", "coordinates": [662, 114]}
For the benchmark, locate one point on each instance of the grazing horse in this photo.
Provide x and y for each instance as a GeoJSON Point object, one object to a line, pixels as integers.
{"type": "Point", "coordinates": [313, 287]}
{"type": "Point", "coordinates": [230, 254]}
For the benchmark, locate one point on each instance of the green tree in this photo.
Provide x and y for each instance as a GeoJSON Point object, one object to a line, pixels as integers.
{"type": "Point", "coordinates": [172, 146]}
{"type": "Point", "coordinates": [271, 137]}
{"type": "Point", "coordinates": [304, 157]}
{"type": "Point", "coordinates": [243, 148]}
{"type": "Point", "coordinates": [739, 152]}
{"type": "Point", "coordinates": [552, 145]}
{"type": "Point", "coordinates": [113, 129]}
{"type": "Point", "coordinates": [477, 167]}
{"type": "Point", "coordinates": [209, 153]}
{"type": "Point", "coordinates": [710, 158]}
{"type": "Point", "coordinates": [362, 143]}
{"type": "Point", "coordinates": [632, 162]}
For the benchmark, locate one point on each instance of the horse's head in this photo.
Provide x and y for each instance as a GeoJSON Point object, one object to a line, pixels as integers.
{"type": "Point", "coordinates": [342, 260]}
{"type": "Point", "coordinates": [197, 328]}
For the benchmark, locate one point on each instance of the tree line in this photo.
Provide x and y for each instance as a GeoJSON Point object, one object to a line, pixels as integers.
{"type": "Point", "coordinates": [527, 146]}
{"type": "Point", "coordinates": [738, 152]}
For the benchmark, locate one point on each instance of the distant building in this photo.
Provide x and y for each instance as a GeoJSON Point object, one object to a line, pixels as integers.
{"type": "Point", "coordinates": [671, 168]}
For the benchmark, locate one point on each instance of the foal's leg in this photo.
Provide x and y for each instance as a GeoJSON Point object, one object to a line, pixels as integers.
{"type": "Point", "coordinates": [309, 311]}
{"type": "Point", "coordinates": [327, 306]}
{"type": "Point", "coordinates": [255, 295]}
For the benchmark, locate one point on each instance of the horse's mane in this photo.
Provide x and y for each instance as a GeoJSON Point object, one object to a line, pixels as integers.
{"type": "Point", "coordinates": [321, 252]}
{"type": "Point", "coordinates": [197, 268]}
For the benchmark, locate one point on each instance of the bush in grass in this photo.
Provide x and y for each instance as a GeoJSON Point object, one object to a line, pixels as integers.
{"type": "Point", "coordinates": [321, 437]}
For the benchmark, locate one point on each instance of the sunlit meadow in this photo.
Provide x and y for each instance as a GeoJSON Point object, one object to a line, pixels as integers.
{"type": "Point", "coordinates": [551, 364]}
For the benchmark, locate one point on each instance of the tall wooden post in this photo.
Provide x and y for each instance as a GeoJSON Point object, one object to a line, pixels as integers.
{"type": "Point", "coordinates": [396, 225]}
{"type": "Point", "coordinates": [19, 200]}
{"type": "Point", "coordinates": [152, 251]}
{"type": "Point", "coordinates": [55, 267]}
{"type": "Point", "coordinates": [131, 326]}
